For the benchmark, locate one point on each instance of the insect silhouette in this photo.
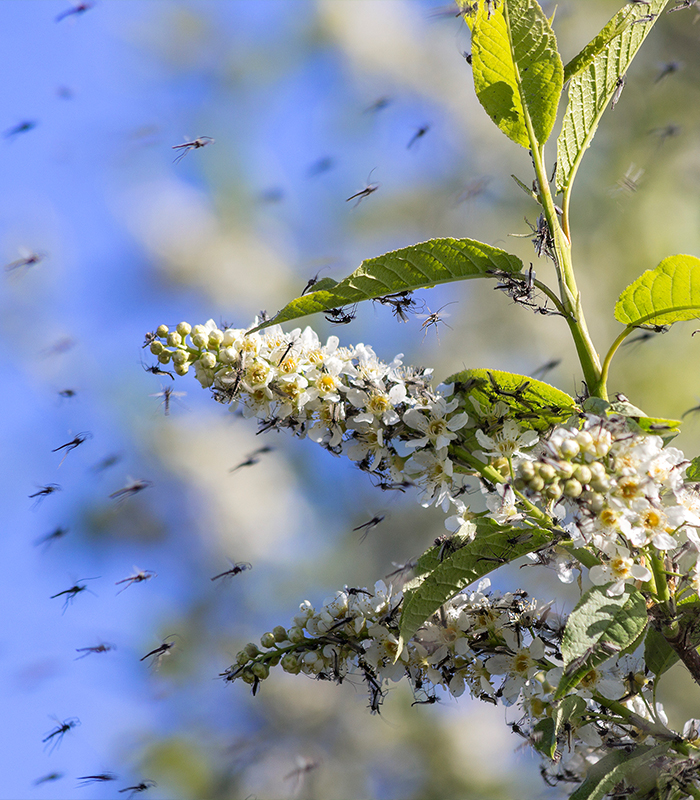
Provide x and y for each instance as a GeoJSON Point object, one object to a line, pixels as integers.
{"type": "Point", "coordinates": [252, 459]}
{"type": "Point", "coordinates": [669, 68]}
{"type": "Point", "coordinates": [131, 488]}
{"type": "Point", "coordinates": [540, 372]}
{"type": "Point", "coordinates": [68, 394]}
{"type": "Point", "coordinates": [402, 569]}
{"type": "Point", "coordinates": [185, 148]}
{"type": "Point", "coordinates": [50, 538]}
{"type": "Point", "coordinates": [139, 787]}
{"type": "Point", "coordinates": [160, 652]}
{"type": "Point", "coordinates": [52, 776]}
{"type": "Point", "coordinates": [629, 182]}
{"type": "Point", "coordinates": [419, 134]}
{"type": "Point", "coordinates": [21, 127]}
{"type": "Point", "coordinates": [400, 303]}
{"type": "Point", "coordinates": [305, 765]}
{"type": "Point", "coordinates": [167, 394]}
{"type": "Point", "coordinates": [77, 440]}
{"type": "Point", "coordinates": [236, 569]}
{"type": "Point", "coordinates": [139, 576]}
{"type": "Point", "coordinates": [319, 167]}
{"type": "Point", "coordinates": [367, 526]}
{"type": "Point", "coordinates": [103, 647]}
{"type": "Point", "coordinates": [683, 5]}
{"type": "Point", "coordinates": [149, 339]}
{"type": "Point", "coordinates": [378, 105]}
{"type": "Point", "coordinates": [102, 777]}
{"type": "Point", "coordinates": [156, 370]}
{"type": "Point", "coordinates": [54, 737]}
{"type": "Point", "coordinates": [72, 592]}
{"type": "Point", "coordinates": [80, 8]}
{"type": "Point", "coordinates": [619, 86]}
{"type": "Point", "coordinates": [669, 131]}
{"type": "Point", "coordinates": [340, 317]}
{"type": "Point", "coordinates": [312, 281]}
{"type": "Point", "coordinates": [44, 491]}
{"type": "Point", "coordinates": [432, 319]}
{"type": "Point", "coordinates": [107, 462]}
{"type": "Point", "coordinates": [645, 18]}
{"type": "Point", "coordinates": [366, 192]}
{"type": "Point", "coordinates": [29, 260]}
{"type": "Point", "coordinates": [429, 701]}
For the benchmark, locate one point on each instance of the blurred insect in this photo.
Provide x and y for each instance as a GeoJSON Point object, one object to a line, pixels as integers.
{"type": "Point", "coordinates": [339, 317]}
{"type": "Point", "coordinates": [28, 260]}
{"type": "Point", "coordinates": [690, 411]}
{"type": "Point", "coordinates": [52, 776]}
{"type": "Point", "coordinates": [139, 576]}
{"type": "Point", "coordinates": [272, 195]}
{"type": "Point", "coordinates": [629, 182]}
{"type": "Point", "coordinates": [312, 281]}
{"type": "Point", "coordinates": [107, 462]}
{"type": "Point", "coordinates": [73, 592]}
{"type": "Point", "coordinates": [76, 441]}
{"type": "Point", "coordinates": [684, 4]}
{"type": "Point", "coordinates": [103, 777]}
{"type": "Point", "coordinates": [402, 569]}
{"type": "Point", "coordinates": [378, 105]}
{"type": "Point", "coordinates": [44, 491]}
{"type": "Point", "coordinates": [430, 700]}
{"type": "Point", "coordinates": [433, 318]}
{"type": "Point", "coordinates": [305, 765]}
{"type": "Point", "coordinates": [418, 135]}
{"type": "Point", "coordinates": [67, 393]}
{"type": "Point", "coordinates": [131, 488]}
{"type": "Point", "coordinates": [540, 372]}
{"type": "Point", "coordinates": [605, 648]}
{"type": "Point", "coordinates": [474, 189]}
{"type": "Point", "coordinates": [251, 458]}
{"type": "Point", "coordinates": [149, 339]}
{"type": "Point", "coordinates": [54, 536]}
{"type": "Point", "coordinates": [167, 394]}
{"type": "Point", "coordinates": [160, 652]}
{"type": "Point", "coordinates": [236, 569]}
{"type": "Point", "coordinates": [54, 737]}
{"type": "Point", "coordinates": [366, 192]}
{"type": "Point", "coordinates": [397, 486]}
{"type": "Point", "coordinates": [367, 526]}
{"type": "Point", "coordinates": [645, 18]}
{"type": "Point", "coordinates": [58, 348]}
{"type": "Point", "coordinates": [80, 8]}
{"type": "Point", "coordinates": [670, 131]}
{"type": "Point", "coordinates": [619, 86]}
{"type": "Point", "coordinates": [156, 370]}
{"type": "Point", "coordinates": [21, 127]}
{"type": "Point", "coordinates": [319, 167]}
{"type": "Point", "coordinates": [65, 93]}
{"type": "Point", "coordinates": [400, 303]}
{"type": "Point", "coordinates": [467, 57]}
{"type": "Point", "coordinates": [139, 787]}
{"type": "Point", "coordinates": [185, 148]}
{"type": "Point", "coordinates": [103, 647]}
{"type": "Point", "coordinates": [669, 68]}
{"type": "Point", "coordinates": [491, 6]}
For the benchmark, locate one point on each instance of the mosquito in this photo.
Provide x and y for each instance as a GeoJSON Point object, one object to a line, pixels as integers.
{"type": "Point", "coordinates": [103, 777]}
{"type": "Point", "coordinates": [156, 370]}
{"type": "Point", "coordinates": [139, 787]}
{"type": "Point", "coordinates": [28, 260]}
{"type": "Point", "coordinates": [139, 576]}
{"type": "Point", "coordinates": [251, 459]}
{"type": "Point", "coordinates": [102, 647]}
{"type": "Point", "coordinates": [22, 127]}
{"type": "Point", "coordinates": [54, 737]}
{"type": "Point", "coordinates": [185, 148]}
{"type": "Point", "coordinates": [367, 526]}
{"type": "Point", "coordinates": [418, 135]}
{"type": "Point", "coordinates": [401, 303]}
{"type": "Point", "coordinates": [432, 319]}
{"type": "Point", "coordinates": [54, 536]}
{"type": "Point", "coordinates": [167, 394]}
{"type": "Point", "coordinates": [305, 765]}
{"type": "Point", "coordinates": [430, 700]}
{"type": "Point", "coordinates": [645, 18]}
{"type": "Point", "coordinates": [72, 592]}
{"type": "Point", "coordinates": [80, 8]}
{"type": "Point", "coordinates": [236, 569]}
{"type": "Point", "coordinates": [149, 339]}
{"type": "Point", "coordinates": [69, 394]}
{"type": "Point", "coordinates": [366, 192]}
{"type": "Point", "coordinates": [131, 488]}
{"type": "Point", "coordinates": [160, 652]}
{"type": "Point", "coordinates": [45, 491]}
{"type": "Point", "coordinates": [619, 86]}
{"type": "Point", "coordinates": [76, 441]}
{"type": "Point", "coordinates": [312, 281]}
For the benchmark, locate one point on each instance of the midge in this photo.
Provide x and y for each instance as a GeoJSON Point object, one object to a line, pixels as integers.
{"type": "Point", "coordinates": [138, 577]}
{"type": "Point", "coordinates": [236, 569]}
{"type": "Point", "coordinates": [185, 148]}
{"type": "Point", "coordinates": [103, 647]}
{"type": "Point", "coordinates": [55, 736]}
{"type": "Point", "coordinates": [432, 319]}
{"type": "Point", "coordinates": [366, 192]}
{"type": "Point", "coordinates": [73, 592]}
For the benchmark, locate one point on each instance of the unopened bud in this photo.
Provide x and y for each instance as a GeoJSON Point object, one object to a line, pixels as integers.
{"type": "Point", "coordinates": [162, 331]}
{"type": "Point", "coordinates": [184, 329]}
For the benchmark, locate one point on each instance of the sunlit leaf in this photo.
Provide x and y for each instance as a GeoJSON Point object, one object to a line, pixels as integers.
{"type": "Point", "coordinates": [518, 74]}
{"type": "Point", "coordinates": [598, 628]}
{"type": "Point", "coordinates": [416, 267]}
{"type": "Point", "coordinates": [693, 471]}
{"type": "Point", "coordinates": [605, 774]}
{"type": "Point", "coordinates": [592, 86]}
{"type": "Point", "coordinates": [666, 428]}
{"type": "Point", "coordinates": [670, 293]}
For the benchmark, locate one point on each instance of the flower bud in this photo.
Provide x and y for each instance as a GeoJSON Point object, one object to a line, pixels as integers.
{"type": "Point", "coordinates": [280, 633]}
{"type": "Point", "coordinates": [242, 658]}
{"type": "Point", "coordinates": [164, 357]}
{"type": "Point", "coordinates": [290, 663]}
{"type": "Point", "coordinates": [174, 339]}
{"type": "Point", "coordinates": [199, 340]}
{"type": "Point", "coordinates": [565, 469]}
{"type": "Point", "coordinates": [267, 640]}
{"type": "Point", "coordinates": [182, 369]}
{"type": "Point", "coordinates": [215, 338]}
{"type": "Point", "coordinates": [248, 676]}
{"type": "Point", "coordinates": [184, 329]}
{"type": "Point", "coordinates": [553, 491]}
{"type": "Point", "coordinates": [536, 484]}
{"type": "Point", "coordinates": [572, 488]}
{"type": "Point", "coordinates": [156, 348]}
{"type": "Point", "coordinates": [296, 635]}
{"type": "Point", "coordinates": [584, 439]}
{"type": "Point", "coordinates": [569, 448]}
{"type": "Point", "coordinates": [162, 331]}
{"type": "Point", "coordinates": [527, 470]}
{"type": "Point", "coordinates": [207, 360]}
{"type": "Point", "coordinates": [547, 472]}
{"type": "Point", "coordinates": [582, 473]}
{"type": "Point", "coordinates": [261, 671]}
{"type": "Point", "coordinates": [251, 650]}
{"type": "Point", "coordinates": [180, 357]}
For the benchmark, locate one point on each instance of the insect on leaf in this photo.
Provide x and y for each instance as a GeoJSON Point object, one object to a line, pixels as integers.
{"type": "Point", "coordinates": [613, 768]}
{"type": "Point", "coordinates": [518, 74]}
{"type": "Point", "coordinates": [416, 267]}
{"type": "Point", "coordinates": [664, 295]}
{"type": "Point", "coordinates": [595, 74]}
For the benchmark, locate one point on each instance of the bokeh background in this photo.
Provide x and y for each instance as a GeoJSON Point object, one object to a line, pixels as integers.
{"type": "Point", "coordinates": [307, 102]}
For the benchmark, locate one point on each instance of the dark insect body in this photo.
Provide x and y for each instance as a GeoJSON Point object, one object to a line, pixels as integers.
{"type": "Point", "coordinates": [103, 647]}
{"type": "Point", "coordinates": [366, 192]}
{"type": "Point", "coordinates": [72, 592]}
{"type": "Point", "coordinates": [137, 577]}
{"type": "Point", "coordinates": [432, 319]}
{"type": "Point", "coordinates": [21, 127]}
{"type": "Point", "coordinates": [156, 370]}
{"type": "Point", "coordinates": [139, 787]}
{"type": "Point", "coordinates": [339, 317]}
{"type": "Point", "coordinates": [80, 8]}
{"type": "Point", "coordinates": [45, 491]}
{"type": "Point", "coordinates": [27, 261]}
{"type": "Point", "coordinates": [54, 536]}
{"type": "Point", "coordinates": [367, 526]}
{"type": "Point", "coordinates": [102, 777]}
{"type": "Point", "coordinates": [619, 86]}
{"type": "Point", "coordinates": [252, 458]}
{"type": "Point", "coordinates": [54, 737]}
{"type": "Point", "coordinates": [132, 488]}
{"type": "Point", "coordinates": [236, 569]}
{"type": "Point", "coordinates": [418, 135]}
{"type": "Point", "coordinates": [185, 148]}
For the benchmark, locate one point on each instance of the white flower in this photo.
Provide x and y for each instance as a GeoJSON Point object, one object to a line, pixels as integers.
{"type": "Point", "coordinates": [436, 430]}
{"type": "Point", "coordinates": [507, 442]}
{"type": "Point", "coordinates": [462, 522]}
{"type": "Point", "coordinates": [617, 572]}
{"type": "Point", "coordinates": [503, 504]}
{"type": "Point", "coordinates": [432, 472]}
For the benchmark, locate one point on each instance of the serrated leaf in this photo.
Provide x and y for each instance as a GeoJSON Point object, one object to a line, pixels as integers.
{"type": "Point", "coordinates": [534, 404]}
{"type": "Point", "coordinates": [415, 267]}
{"type": "Point", "coordinates": [666, 428]}
{"type": "Point", "coordinates": [664, 295]}
{"type": "Point", "coordinates": [598, 628]}
{"type": "Point", "coordinates": [597, 45]}
{"type": "Point", "coordinates": [692, 473]}
{"type": "Point", "coordinates": [659, 656]}
{"type": "Point", "coordinates": [605, 774]}
{"type": "Point", "coordinates": [443, 579]}
{"type": "Point", "coordinates": [518, 74]}
{"type": "Point", "coordinates": [592, 87]}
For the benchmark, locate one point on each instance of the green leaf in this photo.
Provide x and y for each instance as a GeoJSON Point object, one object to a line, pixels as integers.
{"type": "Point", "coordinates": [439, 580]}
{"type": "Point", "coordinates": [416, 267]}
{"type": "Point", "coordinates": [659, 656]}
{"type": "Point", "coordinates": [693, 471]}
{"type": "Point", "coordinates": [670, 293]}
{"type": "Point", "coordinates": [666, 428]}
{"type": "Point", "coordinates": [594, 79]}
{"type": "Point", "coordinates": [605, 774]}
{"type": "Point", "coordinates": [534, 404]}
{"type": "Point", "coordinates": [598, 628]}
{"type": "Point", "coordinates": [518, 74]}
{"type": "Point", "coordinates": [544, 737]}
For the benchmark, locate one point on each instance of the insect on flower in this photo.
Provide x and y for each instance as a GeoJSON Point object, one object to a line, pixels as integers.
{"type": "Point", "coordinates": [54, 737]}
{"type": "Point", "coordinates": [366, 192]}
{"type": "Point", "coordinates": [139, 787]}
{"type": "Point", "coordinates": [185, 148]}
{"type": "Point", "coordinates": [45, 491]}
{"type": "Point", "coordinates": [138, 577]}
{"type": "Point", "coordinates": [236, 569]}
{"type": "Point", "coordinates": [102, 777]}
{"type": "Point", "coordinates": [432, 318]}
{"type": "Point", "coordinates": [72, 592]}
{"type": "Point", "coordinates": [131, 488]}
{"type": "Point", "coordinates": [102, 647]}
{"type": "Point", "coordinates": [80, 8]}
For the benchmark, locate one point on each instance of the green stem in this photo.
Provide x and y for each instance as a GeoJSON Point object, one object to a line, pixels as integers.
{"type": "Point", "coordinates": [650, 728]}
{"type": "Point", "coordinates": [662, 592]}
